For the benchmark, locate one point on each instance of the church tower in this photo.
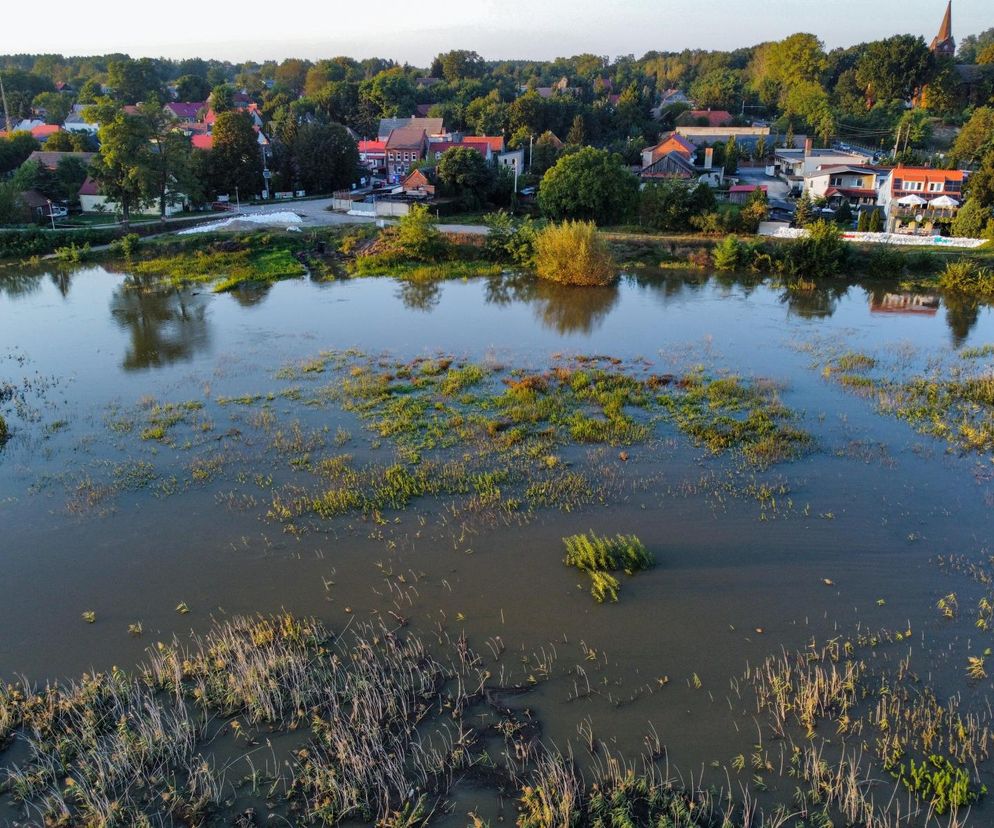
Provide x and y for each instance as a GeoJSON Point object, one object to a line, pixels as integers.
{"type": "Point", "coordinates": [943, 44]}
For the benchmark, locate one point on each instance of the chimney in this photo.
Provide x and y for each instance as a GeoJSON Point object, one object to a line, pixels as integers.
{"type": "Point", "coordinates": [708, 158]}
{"type": "Point", "coordinates": [808, 144]}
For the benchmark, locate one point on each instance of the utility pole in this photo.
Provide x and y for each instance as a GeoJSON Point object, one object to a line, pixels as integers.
{"type": "Point", "coordinates": [6, 109]}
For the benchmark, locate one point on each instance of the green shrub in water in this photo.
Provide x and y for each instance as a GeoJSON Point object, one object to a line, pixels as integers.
{"type": "Point", "coordinates": [4, 431]}
{"type": "Point", "coordinates": [600, 556]}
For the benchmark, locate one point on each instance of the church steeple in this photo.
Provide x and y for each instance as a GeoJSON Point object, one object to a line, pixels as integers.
{"type": "Point", "coordinates": [944, 44]}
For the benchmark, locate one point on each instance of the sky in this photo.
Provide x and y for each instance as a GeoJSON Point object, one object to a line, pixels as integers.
{"type": "Point", "coordinates": [414, 32]}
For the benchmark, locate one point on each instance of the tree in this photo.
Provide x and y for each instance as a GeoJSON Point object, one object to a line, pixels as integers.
{"type": "Point", "coordinates": [236, 157]}
{"type": "Point", "coordinates": [731, 155]}
{"type": "Point", "coordinates": [976, 137]}
{"type": "Point", "coordinates": [15, 149]}
{"type": "Point", "coordinates": [222, 98]}
{"type": "Point", "coordinates": [390, 92]}
{"type": "Point", "coordinates": [876, 221]}
{"type": "Point", "coordinates": [171, 169]}
{"type": "Point", "coordinates": [670, 204]}
{"type": "Point", "coordinates": [122, 165]}
{"type": "Point", "coordinates": [895, 68]}
{"type": "Point", "coordinates": [291, 74]}
{"type": "Point", "coordinates": [973, 45]}
{"type": "Point", "coordinates": [11, 207]}
{"type": "Point", "coordinates": [134, 80]}
{"type": "Point", "coordinates": [66, 141]}
{"type": "Point", "coordinates": [192, 88]}
{"type": "Point", "coordinates": [804, 211]}
{"type": "Point", "coordinates": [68, 178]}
{"type": "Point", "coordinates": [325, 157]}
{"type": "Point", "coordinates": [465, 174]}
{"type": "Point", "coordinates": [718, 89]}
{"type": "Point", "coordinates": [459, 64]}
{"type": "Point", "coordinates": [56, 106]}
{"type": "Point", "coordinates": [973, 220]}
{"type": "Point", "coordinates": [90, 91]}
{"type": "Point", "coordinates": [776, 67]}
{"type": "Point", "coordinates": [574, 137]}
{"type": "Point", "coordinates": [545, 151]}
{"type": "Point", "coordinates": [588, 184]}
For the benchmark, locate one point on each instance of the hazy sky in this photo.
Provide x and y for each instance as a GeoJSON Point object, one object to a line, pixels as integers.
{"type": "Point", "coordinates": [415, 31]}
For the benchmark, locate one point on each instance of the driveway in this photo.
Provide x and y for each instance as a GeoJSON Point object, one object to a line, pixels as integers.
{"type": "Point", "coordinates": [776, 188]}
{"type": "Point", "coordinates": [316, 213]}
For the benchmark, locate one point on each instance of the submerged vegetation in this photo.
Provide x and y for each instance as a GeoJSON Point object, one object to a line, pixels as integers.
{"type": "Point", "coordinates": [224, 265]}
{"type": "Point", "coordinates": [600, 556]}
{"type": "Point", "coordinates": [955, 404]}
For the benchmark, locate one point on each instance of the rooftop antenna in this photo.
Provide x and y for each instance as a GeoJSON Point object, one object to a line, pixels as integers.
{"type": "Point", "coordinates": [6, 110]}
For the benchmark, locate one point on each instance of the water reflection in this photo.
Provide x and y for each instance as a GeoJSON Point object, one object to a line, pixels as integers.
{"type": "Point", "coordinates": [422, 296]}
{"type": "Point", "coordinates": [165, 325]}
{"type": "Point", "coordinates": [564, 309]}
{"type": "Point", "coordinates": [815, 300]}
{"type": "Point", "coordinates": [18, 284]}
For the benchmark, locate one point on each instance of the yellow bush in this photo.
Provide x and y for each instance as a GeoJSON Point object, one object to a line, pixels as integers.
{"type": "Point", "coordinates": [573, 253]}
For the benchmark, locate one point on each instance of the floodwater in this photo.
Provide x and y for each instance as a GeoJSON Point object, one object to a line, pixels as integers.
{"type": "Point", "coordinates": [93, 518]}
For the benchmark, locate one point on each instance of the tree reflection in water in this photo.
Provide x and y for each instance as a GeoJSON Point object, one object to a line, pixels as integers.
{"type": "Point", "coordinates": [420, 295]}
{"type": "Point", "coordinates": [165, 324]}
{"type": "Point", "coordinates": [563, 308]}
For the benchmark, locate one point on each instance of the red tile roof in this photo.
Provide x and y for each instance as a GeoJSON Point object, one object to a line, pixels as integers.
{"type": "Point", "coordinates": [203, 142]}
{"type": "Point", "coordinates": [496, 142]}
{"type": "Point", "coordinates": [42, 132]}
{"type": "Point", "coordinates": [89, 188]}
{"type": "Point", "coordinates": [746, 188]}
{"type": "Point", "coordinates": [372, 146]}
{"type": "Point", "coordinates": [714, 117]}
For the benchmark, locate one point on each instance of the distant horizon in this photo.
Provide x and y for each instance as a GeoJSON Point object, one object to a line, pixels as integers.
{"type": "Point", "coordinates": [512, 31]}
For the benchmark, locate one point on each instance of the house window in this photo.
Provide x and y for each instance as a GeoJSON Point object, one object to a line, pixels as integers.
{"type": "Point", "coordinates": [935, 187]}
{"type": "Point", "coordinates": [912, 186]}
{"type": "Point", "coordinates": [954, 186]}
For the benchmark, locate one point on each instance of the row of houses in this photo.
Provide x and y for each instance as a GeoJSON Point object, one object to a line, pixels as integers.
{"type": "Point", "coordinates": [401, 143]}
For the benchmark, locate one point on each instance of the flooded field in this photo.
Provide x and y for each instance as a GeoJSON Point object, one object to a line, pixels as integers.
{"type": "Point", "coordinates": [383, 474]}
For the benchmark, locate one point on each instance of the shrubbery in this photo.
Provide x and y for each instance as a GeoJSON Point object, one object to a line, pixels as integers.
{"type": "Point", "coordinates": [573, 253]}
{"type": "Point", "coordinates": [4, 431]}
{"type": "Point", "coordinates": [966, 277]}
{"type": "Point", "coordinates": [509, 241]}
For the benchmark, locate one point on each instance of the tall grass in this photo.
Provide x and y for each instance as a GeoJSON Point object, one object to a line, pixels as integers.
{"type": "Point", "coordinates": [573, 253]}
{"type": "Point", "coordinates": [600, 556]}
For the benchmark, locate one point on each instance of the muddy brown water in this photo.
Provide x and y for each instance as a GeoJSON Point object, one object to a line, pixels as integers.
{"type": "Point", "coordinates": [869, 508]}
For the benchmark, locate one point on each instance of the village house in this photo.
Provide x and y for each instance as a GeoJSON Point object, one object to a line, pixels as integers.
{"type": "Point", "coordinates": [837, 183]}
{"type": "Point", "coordinates": [185, 111]}
{"type": "Point", "coordinates": [76, 122]}
{"type": "Point", "coordinates": [405, 146]}
{"type": "Point", "coordinates": [433, 127]}
{"type": "Point", "coordinates": [794, 164]}
{"type": "Point", "coordinates": [50, 160]}
{"type": "Point", "coordinates": [746, 137]}
{"type": "Point", "coordinates": [373, 155]}
{"type": "Point", "coordinates": [912, 192]}
{"type": "Point", "coordinates": [670, 142]}
{"type": "Point", "coordinates": [419, 184]}
{"type": "Point", "coordinates": [678, 165]}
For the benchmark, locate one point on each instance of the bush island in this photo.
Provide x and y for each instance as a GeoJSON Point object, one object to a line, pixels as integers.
{"type": "Point", "coordinates": [573, 253]}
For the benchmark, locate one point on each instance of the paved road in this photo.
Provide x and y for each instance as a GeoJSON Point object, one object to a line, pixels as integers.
{"type": "Point", "coordinates": [315, 213]}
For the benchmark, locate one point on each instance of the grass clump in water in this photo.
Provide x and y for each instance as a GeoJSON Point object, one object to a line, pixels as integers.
{"type": "Point", "coordinates": [4, 431]}
{"type": "Point", "coordinates": [600, 556]}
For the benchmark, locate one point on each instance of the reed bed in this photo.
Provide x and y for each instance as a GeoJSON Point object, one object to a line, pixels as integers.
{"type": "Point", "coordinates": [929, 748]}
